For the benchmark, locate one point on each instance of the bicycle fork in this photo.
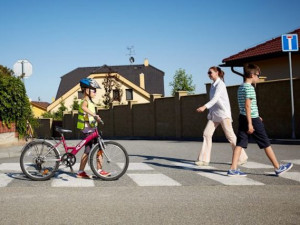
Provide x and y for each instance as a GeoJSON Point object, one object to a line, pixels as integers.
{"type": "Point", "coordinates": [102, 147]}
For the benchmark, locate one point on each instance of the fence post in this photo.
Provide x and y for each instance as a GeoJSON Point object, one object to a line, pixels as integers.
{"type": "Point", "coordinates": [153, 111]}
{"type": "Point", "coordinates": [130, 104]}
{"type": "Point", "coordinates": [178, 119]}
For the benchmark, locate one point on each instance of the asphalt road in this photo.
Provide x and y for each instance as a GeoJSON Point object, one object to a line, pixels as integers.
{"type": "Point", "coordinates": [161, 186]}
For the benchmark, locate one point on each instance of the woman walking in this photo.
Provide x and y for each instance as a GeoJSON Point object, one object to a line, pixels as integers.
{"type": "Point", "coordinates": [219, 113]}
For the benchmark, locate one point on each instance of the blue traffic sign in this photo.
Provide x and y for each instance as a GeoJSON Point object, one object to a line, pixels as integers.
{"type": "Point", "coordinates": [289, 42]}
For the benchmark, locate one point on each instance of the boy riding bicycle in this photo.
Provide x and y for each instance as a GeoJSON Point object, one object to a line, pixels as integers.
{"type": "Point", "coordinates": [87, 124]}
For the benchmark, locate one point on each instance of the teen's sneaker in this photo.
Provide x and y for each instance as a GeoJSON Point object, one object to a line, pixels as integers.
{"type": "Point", "coordinates": [283, 168]}
{"type": "Point", "coordinates": [236, 173]}
{"type": "Point", "coordinates": [201, 163]}
{"type": "Point", "coordinates": [82, 175]}
{"type": "Point", "coordinates": [104, 173]}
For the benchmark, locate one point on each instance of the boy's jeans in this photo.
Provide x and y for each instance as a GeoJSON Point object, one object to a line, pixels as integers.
{"type": "Point", "coordinates": [207, 139]}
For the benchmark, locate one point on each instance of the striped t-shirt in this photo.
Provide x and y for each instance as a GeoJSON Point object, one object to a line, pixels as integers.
{"type": "Point", "coordinates": [246, 91]}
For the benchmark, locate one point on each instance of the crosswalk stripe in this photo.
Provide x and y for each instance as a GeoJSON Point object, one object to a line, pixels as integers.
{"type": "Point", "coordinates": [255, 165]}
{"type": "Point", "coordinates": [224, 179]}
{"type": "Point", "coordinates": [288, 175]}
{"type": "Point", "coordinates": [136, 166]}
{"type": "Point", "coordinates": [10, 167]}
{"type": "Point", "coordinates": [153, 180]}
{"type": "Point", "coordinates": [294, 161]}
{"type": "Point", "coordinates": [191, 166]}
{"type": "Point", "coordinates": [65, 180]}
{"type": "Point", "coordinates": [4, 180]}
{"type": "Point", "coordinates": [292, 176]}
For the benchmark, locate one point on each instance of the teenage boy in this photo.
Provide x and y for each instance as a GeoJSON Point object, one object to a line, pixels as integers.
{"type": "Point", "coordinates": [251, 124]}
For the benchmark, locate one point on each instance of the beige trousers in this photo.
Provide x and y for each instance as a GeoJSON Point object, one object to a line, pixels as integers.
{"type": "Point", "coordinates": [209, 130]}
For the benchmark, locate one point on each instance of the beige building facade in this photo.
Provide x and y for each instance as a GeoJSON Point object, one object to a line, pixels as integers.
{"type": "Point", "coordinates": [130, 92]}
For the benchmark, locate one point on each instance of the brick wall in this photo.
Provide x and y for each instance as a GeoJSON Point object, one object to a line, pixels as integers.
{"type": "Point", "coordinates": [6, 129]}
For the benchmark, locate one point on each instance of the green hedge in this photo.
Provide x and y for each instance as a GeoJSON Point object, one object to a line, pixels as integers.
{"type": "Point", "coordinates": [15, 105]}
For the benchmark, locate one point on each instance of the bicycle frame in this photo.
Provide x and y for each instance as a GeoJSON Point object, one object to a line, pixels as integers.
{"type": "Point", "coordinates": [75, 149]}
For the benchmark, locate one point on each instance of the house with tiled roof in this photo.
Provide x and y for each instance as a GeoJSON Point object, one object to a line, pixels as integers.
{"type": "Point", "coordinates": [135, 83]}
{"type": "Point", "coordinates": [274, 63]}
{"type": "Point", "coordinates": [38, 108]}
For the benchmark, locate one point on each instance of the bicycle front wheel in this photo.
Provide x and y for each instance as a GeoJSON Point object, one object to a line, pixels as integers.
{"type": "Point", "coordinates": [113, 159]}
{"type": "Point", "coordinates": [39, 160]}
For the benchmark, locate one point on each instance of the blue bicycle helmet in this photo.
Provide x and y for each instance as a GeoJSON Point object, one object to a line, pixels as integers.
{"type": "Point", "coordinates": [89, 83]}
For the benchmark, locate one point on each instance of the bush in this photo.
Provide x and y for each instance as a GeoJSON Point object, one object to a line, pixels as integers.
{"type": "Point", "coordinates": [56, 115]}
{"type": "Point", "coordinates": [15, 105]}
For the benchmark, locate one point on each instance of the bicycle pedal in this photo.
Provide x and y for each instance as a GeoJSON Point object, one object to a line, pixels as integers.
{"type": "Point", "coordinates": [45, 172]}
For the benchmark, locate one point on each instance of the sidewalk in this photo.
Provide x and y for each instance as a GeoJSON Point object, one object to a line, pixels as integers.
{"type": "Point", "coordinates": [10, 151]}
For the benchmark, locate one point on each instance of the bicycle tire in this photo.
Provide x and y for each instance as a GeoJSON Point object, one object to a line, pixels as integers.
{"type": "Point", "coordinates": [115, 160]}
{"type": "Point", "coordinates": [39, 160]}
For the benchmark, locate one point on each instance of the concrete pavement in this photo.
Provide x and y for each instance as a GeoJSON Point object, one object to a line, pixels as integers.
{"type": "Point", "coordinates": [14, 150]}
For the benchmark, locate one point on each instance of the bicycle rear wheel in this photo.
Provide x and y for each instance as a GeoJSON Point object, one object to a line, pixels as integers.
{"type": "Point", "coordinates": [114, 160]}
{"type": "Point", "coordinates": [39, 160]}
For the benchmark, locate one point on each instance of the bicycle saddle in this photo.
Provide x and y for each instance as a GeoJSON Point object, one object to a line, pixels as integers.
{"type": "Point", "coordinates": [61, 130]}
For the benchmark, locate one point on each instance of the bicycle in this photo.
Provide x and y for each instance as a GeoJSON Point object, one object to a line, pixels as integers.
{"type": "Point", "coordinates": [40, 159]}
{"type": "Point", "coordinates": [29, 132]}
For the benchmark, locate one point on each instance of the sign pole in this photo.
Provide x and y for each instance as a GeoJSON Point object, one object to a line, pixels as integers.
{"type": "Point", "coordinates": [292, 96]}
{"type": "Point", "coordinates": [290, 44]}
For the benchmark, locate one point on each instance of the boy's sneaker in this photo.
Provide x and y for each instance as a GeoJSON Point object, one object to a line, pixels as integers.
{"type": "Point", "coordinates": [103, 173]}
{"type": "Point", "coordinates": [283, 168]}
{"type": "Point", "coordinates": [236, 173]}
{"type": "Point", "coordinates": [82, 175]}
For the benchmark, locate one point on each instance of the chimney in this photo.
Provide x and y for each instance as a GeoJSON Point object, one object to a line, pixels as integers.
{"type": "Point", "coordinates": [142, 80]}
{"type": "Point", "coordinates": [146, 62]}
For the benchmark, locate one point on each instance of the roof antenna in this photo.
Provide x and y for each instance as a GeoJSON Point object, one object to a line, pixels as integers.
{"type": "Point", "coordinates": [131, 53]}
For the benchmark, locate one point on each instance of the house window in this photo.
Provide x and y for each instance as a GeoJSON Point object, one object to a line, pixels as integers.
{"type": "Point", "coordinates": [116, 95]}
{"type": "Point", "coordinates": [129, 94]}
{"type": "Point", "coordinates": [80, 95]}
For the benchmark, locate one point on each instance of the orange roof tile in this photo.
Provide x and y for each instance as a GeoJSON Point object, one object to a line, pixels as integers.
{"type": "Point", "coordinates": [267, 48]}
{"type": "Point", "coordinates": [42, 105]}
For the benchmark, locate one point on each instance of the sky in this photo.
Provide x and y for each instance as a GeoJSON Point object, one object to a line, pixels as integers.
{"type": "Point", "coordinates": [59, 36]}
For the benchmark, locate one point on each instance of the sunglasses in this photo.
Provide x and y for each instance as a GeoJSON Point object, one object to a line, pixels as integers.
{"type": "Point", "coordinates": [209, 72]}
{"type": "Point", "coordinates": [258, 75]}
{"type": "Point", "coordinates": [93, 90]}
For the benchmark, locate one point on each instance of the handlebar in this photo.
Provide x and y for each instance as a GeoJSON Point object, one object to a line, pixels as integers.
{"type": "Point", "coordinates": [101, 121]}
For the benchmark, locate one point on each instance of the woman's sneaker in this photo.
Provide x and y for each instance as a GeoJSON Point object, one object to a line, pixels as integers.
{"type": "Point", "coordinates": [201, 163]}
{"type": "Point", "coordinates": [82, 175]}
{"type": "Point", "coordinates": [236, 173]}
{"type": "Point", "coordinates": [283, 168]}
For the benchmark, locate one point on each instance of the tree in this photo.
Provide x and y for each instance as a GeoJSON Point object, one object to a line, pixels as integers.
{"type": "Point", "coordinates": [182, 82]}
{"type": "Point", "coordinates": [75, 105]}
{"type": "Point", "coordinates": [15, 105]}
{"type": "Point", "coordinates": [58, 115]}
{"type": "Point", "coordinates": [110, 83]}
{"type": "Point", "coordinates": [4, 71]}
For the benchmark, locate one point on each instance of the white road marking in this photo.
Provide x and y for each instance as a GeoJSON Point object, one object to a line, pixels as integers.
{"type": "Point", "coordinates": [224, 179]}
{"type": "Point", "coordinates": [4, 180]}
{"type": "Point", "coordinates": [136, 166]}
{"type": "Point", "coordinates": [65, 180]}
{"type": "Point", "coordinates": [255, 165]}
{"type": "Point", "coordinates": [294, 161]}
{"type": "Point", "coordinates": [192, 166]}
{"type": "Point", "coordinates": [288, 175]}
{"type": "Point", "coordinates": [10, 167]}
{"type": "Point", "coordinates": [153, 180]}
{"type": "Point", "coordinates": [292, 176]}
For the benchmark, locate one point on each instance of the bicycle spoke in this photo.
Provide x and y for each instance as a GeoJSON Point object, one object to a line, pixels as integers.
{"type": "Point", "coordinates": [36, 166]}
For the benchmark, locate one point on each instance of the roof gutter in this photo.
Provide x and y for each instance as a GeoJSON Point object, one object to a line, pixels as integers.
{"type": "Point", "coordinates": [232, 69]}
{"type": "Point", "coordinates": [236, 72]}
